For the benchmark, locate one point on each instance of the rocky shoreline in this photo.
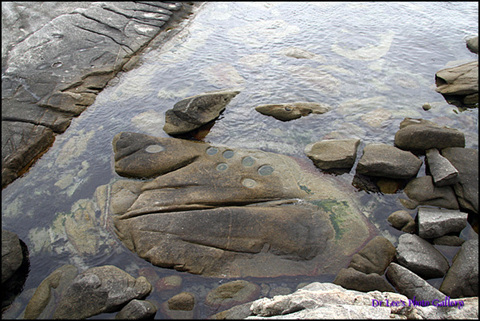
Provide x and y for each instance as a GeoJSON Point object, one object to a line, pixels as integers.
{"type": "Point", "coordinates": [43, 88]}
{"type": "Point", "coordinates": [189, 206]}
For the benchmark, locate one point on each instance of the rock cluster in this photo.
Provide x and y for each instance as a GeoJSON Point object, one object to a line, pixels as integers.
{"type": "Point", "coordinates": [418, 259]}
{"type": "Point", "coordinates": [331, 301]}
{"type": "Point", "coordinates": [221, 211]}
{"type": "Point", "coordinates": [368, 266]}
{"type": "Point", "coordinates": [451, 182]}
{"type": "Point", "coordinates": [67, 294]}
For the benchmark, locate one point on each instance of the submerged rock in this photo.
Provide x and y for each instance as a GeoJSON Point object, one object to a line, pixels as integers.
{"type": "Point", "coordinates": [184, 301]}
{"type": "Point", "coordinates": [289, 111]}
{"type": "Point", "coordinates": [218, 211]}
{"type": "Point", "coordinates": [374, 257]}
{"type": "Point", "coordinates": [137, 310]}
{"type": "Point", "coordinates": [98, 290]}
{"type": "Point", "coordinates": [233, 293]}
{"type": "Point", "coordinates": [402, 220]}
{"type": "Point", "coordinates": [49, 292]}
{"type": "Point", "coordinates": [420, 257]}
{"type": "Point", "coordinates": [193, 112]}
{"type": "Point", "coordinates": [355, 280]}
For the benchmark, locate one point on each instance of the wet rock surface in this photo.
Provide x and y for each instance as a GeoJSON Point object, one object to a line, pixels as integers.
{"type": "Point", "coordinates": [411, 285]}
{"type": "Point", "coordinates": [137, 310]}
{"type": "Point", "coordinates": [436, 222]}
{"type": "Point", "coordinates": [250, 208]}
{"type": "Point", "coordinates": [65, 294]}
{"type": "Point", "coordinates": [232, 293]}
{"type": "Point", "coordinates": [66, 55]}
{"type": "Point", "coordinates": [290, 111]}
{"type": "Point", "coordinates": [402, 220]}
{"type": "Point", "coordinates": [421, 257]}
{"type": "Point", "coordinates": [374, 257]}
{"type": "Point", "coordinates": [355, 280]}
{"type": "Point", "coordinates": [462, 278]}
{"type": "Point", "coordinates": [472, 44]}
{"type": "Point", "coordinates": [466, 189]}
{"type": "Point", "coordinates": [192, 112]}
{"type": "Point", "coordinates": [442, 171]}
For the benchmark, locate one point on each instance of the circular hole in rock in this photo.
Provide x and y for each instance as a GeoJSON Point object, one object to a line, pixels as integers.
{"type": "Point", "coordinates": [152, 149]}
{"type": "Point", "coordinates": [212, 150]}
{"type": "Point", "coordinates": [228, 154]}
{"type": "Point", "coordinates": [248, 161]}
{"type": "Point", "coordinates": [265, 170]}
{"type": "Point", "coordinates": [222, 167]}
{"type": "Point", "coordinates": [248, 182]}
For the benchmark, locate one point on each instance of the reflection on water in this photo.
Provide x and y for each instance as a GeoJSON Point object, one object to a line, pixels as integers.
{"type": "Point", "coordinates": [374, 63]}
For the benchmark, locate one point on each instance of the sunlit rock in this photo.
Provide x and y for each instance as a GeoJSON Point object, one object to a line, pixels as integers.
{"type": "Point", "coordinates": [472, 44]}
{"type": "Point", "coordinates": [232, 293]}
{"type": "Point", "coordinates": [384, 160]}
{"type": "Point", "coordinates": [460, 81]}
{"type": "Point", "coordinates": [420, 135]}
{"type": "Point", "coordinates": [333, 153]}
{"type": "Point", "coordinates": [192, 112]}
{"type": "Point", "coordinates": [100, 289]}
{"type": "Point", "coordinates": [220, 211]}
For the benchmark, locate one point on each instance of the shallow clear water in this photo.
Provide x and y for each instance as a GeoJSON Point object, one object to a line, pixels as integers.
{"type": "Point", "coordinates": [373, 63]}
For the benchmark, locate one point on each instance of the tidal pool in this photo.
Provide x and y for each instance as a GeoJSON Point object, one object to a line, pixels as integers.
{"type": "Point", "coordinates": [373, 63]}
